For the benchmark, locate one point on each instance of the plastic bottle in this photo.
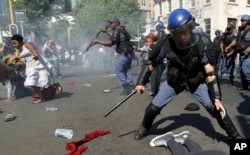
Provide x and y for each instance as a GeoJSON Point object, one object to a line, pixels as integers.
{"type": "Point", "coordinates": [51, 109]}
{"type": "Point", "coordinates": [10, 117]}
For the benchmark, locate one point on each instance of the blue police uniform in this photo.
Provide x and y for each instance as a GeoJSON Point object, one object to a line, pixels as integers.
{"type": "Point", "coordinates": [185, 68]}
{"type": "Point", "coordinates": [243, 41]}
{"type": "Point", "coordinates": [123, 70]}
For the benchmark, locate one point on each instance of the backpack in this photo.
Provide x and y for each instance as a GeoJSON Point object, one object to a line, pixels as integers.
{"type": "Point", "coordinates": [125, 46]}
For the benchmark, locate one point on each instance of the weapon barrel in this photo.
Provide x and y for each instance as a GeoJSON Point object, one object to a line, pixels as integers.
{"type": "Point", "coordinates": [97, 34]}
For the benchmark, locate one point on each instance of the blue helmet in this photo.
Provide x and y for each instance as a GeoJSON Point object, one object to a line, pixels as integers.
{"type": "Point", "coordinates": [199, 30]}
{"type": "Point", "coordinates": [181, 25]}
{"type": "Point", "coordinates": [159, 25]}
{"type": "Point", "coordinates": [246, 18]}
{"type": "Point", "coordinates": [179, 18]}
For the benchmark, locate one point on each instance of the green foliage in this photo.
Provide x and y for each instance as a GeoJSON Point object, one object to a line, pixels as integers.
{"type": "Point", "coordinates": [59, 33]}
{"type": "Point", "coordinates": [92, 15]}
{"type": "Point", "coordinates": [67, 6]}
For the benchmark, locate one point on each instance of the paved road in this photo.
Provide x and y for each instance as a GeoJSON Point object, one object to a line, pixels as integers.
{"type": "Point", "coordinates": [32, 133]}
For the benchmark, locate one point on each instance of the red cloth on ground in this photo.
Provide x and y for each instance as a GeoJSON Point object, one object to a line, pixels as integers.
{"type": "Point", "coordinates": [74, 147]}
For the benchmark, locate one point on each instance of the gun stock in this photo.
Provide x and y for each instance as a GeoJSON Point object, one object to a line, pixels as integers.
{"type": "Point", "coordinates": [96, 36]}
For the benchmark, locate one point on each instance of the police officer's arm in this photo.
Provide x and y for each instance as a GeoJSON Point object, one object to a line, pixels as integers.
{"type": "Point", "coordinates": [231, 45]}
{"type": "Point", "coordinates": [114, 37]}
{"type": "Point", "coordinates": [142, 79]}
{"type": "Point", "coordinates": [213, 86]}
{"type": "Point", "coordinates": [104, 43]}
{"type": "Point", "coordinates": [222, 47]}
{"type": "Point", "coordinates": [155, 51]}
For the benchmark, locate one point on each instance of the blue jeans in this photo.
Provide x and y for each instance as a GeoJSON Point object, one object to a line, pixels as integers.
{"type": "Point", "coordinates": [220, 64]}
{"type": "Point", "coordinates": [123, 68]}
{"type": "Point", "coordinates": [229, 65]}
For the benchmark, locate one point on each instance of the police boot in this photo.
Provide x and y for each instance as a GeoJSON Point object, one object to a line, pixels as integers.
{"type": "Point", "coordinates": [150, 114]}
{"type": "Point", "coordinates": [125, 89]}
{"type": "Point", "coordinates": [225, 123]}
{"type": "Point", "coordinates": [230, 129]}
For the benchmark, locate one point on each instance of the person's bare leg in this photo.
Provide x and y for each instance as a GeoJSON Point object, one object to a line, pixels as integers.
{"type": "Point", "coordinates": [39, 93]}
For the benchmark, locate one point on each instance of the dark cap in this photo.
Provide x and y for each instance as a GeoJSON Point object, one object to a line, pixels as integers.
{"type": "Point", "coordinates": [114, 20]}
{"type": "Point", "coordinates": [217, 32]}
{"type": "Point", "coordinates": [230, 26]}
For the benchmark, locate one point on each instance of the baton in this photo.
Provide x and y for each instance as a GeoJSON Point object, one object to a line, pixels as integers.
{"type": "Point", "coordinates": [122, 101]}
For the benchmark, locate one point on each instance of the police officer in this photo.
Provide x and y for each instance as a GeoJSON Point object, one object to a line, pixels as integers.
{"type": "Point", "coordinates": [242, 46]}
{"type": "Point", "coordinates": [121, 39]}
{"type": "Point", "coordinates": [230, 55]}
{"type": "Point", "coordinates": [216, 44]}
{"type": "Point", "coordinates": [190, 63]}
{"type": "Point", "coordinates": [160, 29]}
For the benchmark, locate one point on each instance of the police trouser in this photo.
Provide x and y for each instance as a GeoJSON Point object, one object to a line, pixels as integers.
{"type": "Point", "coordinates": [123, 68]}
{"type": "Point", "coordinates": [244, 81]}
{"type": "Point", "coordinates": [168, 93]}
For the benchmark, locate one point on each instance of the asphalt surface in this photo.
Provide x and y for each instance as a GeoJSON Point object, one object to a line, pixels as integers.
{"type": "Point", "coordinates": [84, 104]}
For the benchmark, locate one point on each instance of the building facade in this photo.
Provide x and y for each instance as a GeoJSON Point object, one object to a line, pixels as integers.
{"type": "Point", "coordinates": [210, 14]}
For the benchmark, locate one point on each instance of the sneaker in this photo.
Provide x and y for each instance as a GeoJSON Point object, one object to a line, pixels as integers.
{"type": "Point", "coordinates": [161, 140]}
{"type": "Point", "coordinates": [180, 138]}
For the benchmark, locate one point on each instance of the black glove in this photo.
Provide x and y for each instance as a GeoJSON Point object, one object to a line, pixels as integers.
{"type": "Point", "coordinates": [172, 76]}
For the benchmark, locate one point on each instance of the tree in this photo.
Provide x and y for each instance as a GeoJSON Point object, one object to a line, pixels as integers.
{"type": "Point", "coordinates": [37, 13]}
{"type": "Point", "coordinates": [92, 15]}
{"type": "Point", "coordinates": [67, 7]}
{"type": "Point", "coordinates": [59, 33]}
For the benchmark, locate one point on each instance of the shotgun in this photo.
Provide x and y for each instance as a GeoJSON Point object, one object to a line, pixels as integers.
{"type": "Point", "coordinates": [96, 36]}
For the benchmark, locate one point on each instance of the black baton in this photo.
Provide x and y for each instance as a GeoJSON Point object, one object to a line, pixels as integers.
{"type": "Point", "coordinates": [118, 104]}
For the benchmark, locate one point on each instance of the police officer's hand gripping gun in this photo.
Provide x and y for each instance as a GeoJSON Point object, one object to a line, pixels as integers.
{"type": "Point", "coordinates": [144, 73]}
{"type": "Point", "coordinates": [96, 36]}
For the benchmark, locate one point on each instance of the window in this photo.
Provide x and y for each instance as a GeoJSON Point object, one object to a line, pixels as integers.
{"type": "Point", "coordinates": [207, 22]}
{"type": "Point", "coordinates": [143, 2]}
{"type": "Point", "coordinates": [1, 7]}
{"type": "Point", "coordinates": [181, 3]}
{"type": "Point", "coordinates": [207, 1]}
{"type": "Point", "coordinates": [232, 21]}
{"type": "Point", "coordinates": [193, 3]}
{"type": "Point", "coordinates": [169, 6]}
{"type": "Point", "coordinates": [160, 8]}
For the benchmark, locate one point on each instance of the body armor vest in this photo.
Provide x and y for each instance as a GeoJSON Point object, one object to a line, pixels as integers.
{"type": "Point", "coordinates": [228, 38]}
{"type": "Point", "coordinates": [216, 43]}
{"type": "Point", "coordinates": [185, 69]}
{"type": "Point", "coordinates": [242, 43]}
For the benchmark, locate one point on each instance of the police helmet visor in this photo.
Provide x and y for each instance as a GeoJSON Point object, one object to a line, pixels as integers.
{"type": "Point", "coordinates": [184, 36]}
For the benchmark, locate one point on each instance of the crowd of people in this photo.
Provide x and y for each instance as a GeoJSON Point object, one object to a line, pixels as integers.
{"type": "Point", "coordinates": [183, 60]}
